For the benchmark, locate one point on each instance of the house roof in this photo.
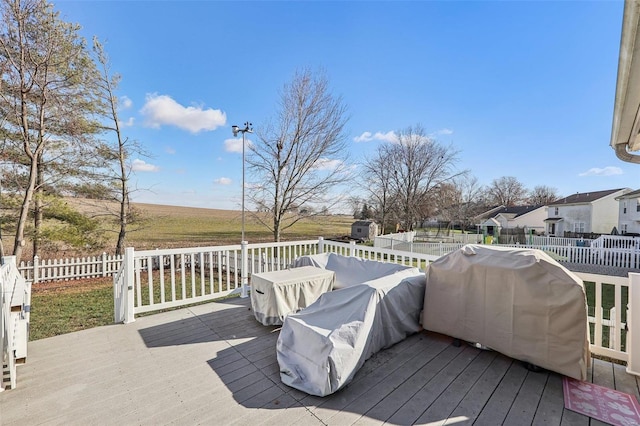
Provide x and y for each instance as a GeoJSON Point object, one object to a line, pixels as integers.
{"type": "Point", "coordinates": [553, 219]}
{"type": "Point", "coordinates": [489, 213]}
{"type": "Point", "coordinates": [585, 197]}
{"type": "Point", "coordinates": [632, 194]}
{"type": "Point", "coordinates": [625, 132]}
{"type": "Point", "coordinates": [510, 212]}
{"type": "Point", "coordinates": [518, 210]}
{"type": "Point", "coordinates": [362, 223]}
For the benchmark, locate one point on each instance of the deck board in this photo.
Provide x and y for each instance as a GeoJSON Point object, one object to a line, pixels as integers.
{"type": "Point", "coordinates": [215, 364]}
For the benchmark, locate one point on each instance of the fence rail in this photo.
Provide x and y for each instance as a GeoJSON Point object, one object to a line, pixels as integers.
{"type": "Point", "coordinates": [159, 279]}
{"type": "Point", "coordinates": [607, 300]}
{"type": "Point", "coordinates": [565, 250]}
{"type": "Point", "coordinates": [38, 270]}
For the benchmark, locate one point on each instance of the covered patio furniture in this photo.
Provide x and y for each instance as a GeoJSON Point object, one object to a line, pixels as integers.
{"type": "Point", "coordinates": [349, 270]}
{"type": "Point", "coordinates": [321, 348]}
{"type": "Point", "coordinates": [519, 302]}
{"type": "Point", "coordinates": [276, 294]}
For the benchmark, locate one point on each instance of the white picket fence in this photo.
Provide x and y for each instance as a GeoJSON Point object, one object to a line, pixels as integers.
{"type": "Point", "coordinates": [40, 270]}
{"type": "Point", "coordinates": [15, 305]}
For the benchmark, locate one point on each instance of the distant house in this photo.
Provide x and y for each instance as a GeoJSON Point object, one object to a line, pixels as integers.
{"type": "Point", "coordinates": [629, 213]}
{"type": "Point", "coordinates": [526, 218]}
{"type": "Point", "coordinates": [364, 229]}
{"type": "Point", "coordinates": [583, 213]}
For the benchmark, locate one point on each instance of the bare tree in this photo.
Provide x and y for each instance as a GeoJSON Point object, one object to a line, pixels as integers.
{"type": "Point", "coordinates": [419, 165]}
{"type": "Point", "coordinates": [300, 156]}
{"type": "Point", "coordinates": [119, 151]}
{"type": "Point", "coordinates": [464, 200]}
{"type": "Point", "coordinates": [542, 195]}
{"type": "Point", "coordinates": [507, 191]}
{"type": "Point", "coordinates": [47, 99]}
{"type": "Point", "coordinates": [377, 185]}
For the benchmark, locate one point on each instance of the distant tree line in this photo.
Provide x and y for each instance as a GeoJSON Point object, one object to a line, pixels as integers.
{"type": "Point", "coordinates": [456, 200]}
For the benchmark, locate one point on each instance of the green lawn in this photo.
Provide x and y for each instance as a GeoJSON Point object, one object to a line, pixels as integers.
{"type": "Point", "coordinates": [64, 310]}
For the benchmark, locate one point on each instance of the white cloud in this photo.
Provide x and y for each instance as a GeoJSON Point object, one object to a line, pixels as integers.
{"type": "Point", "coordinates": [223, 181]}
{"type": "Point", "coordinates": [142, 166]}
{"type": "Point", "coordinates": [327, 164]}
{"type": "Point", "coordinates": [607, 171]}
{"type": "Point", "coordinates": [163, 110]}
{"type": "Point", "coordinates": [127, 123]}
{"type": "Point", "coordinates": [444, 131]}
{"type": "Point", "coordinates": [125, 102]}
{"type": "Point", "coordinates": [235, 145]}
{"type": "Point", "coordinates": [378, 136]}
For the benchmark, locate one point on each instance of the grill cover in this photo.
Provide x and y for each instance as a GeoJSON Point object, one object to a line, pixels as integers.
{"type": "Point", "coordinates": [519, 302]}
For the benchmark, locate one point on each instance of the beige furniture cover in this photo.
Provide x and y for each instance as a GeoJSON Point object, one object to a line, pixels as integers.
{"type": "Point", "coordinates": [519, 302]}
{"type": "Point", "coordinates": [276, 294]}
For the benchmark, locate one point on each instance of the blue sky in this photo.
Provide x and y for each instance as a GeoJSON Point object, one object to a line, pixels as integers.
{"type": "Point", "coordinates": [521, 89]}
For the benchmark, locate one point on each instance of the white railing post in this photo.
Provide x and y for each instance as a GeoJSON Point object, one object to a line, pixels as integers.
{"type": "Point", "coordinates": [352, 248]}
{"type": "Point", "coordinates": [613, 330]}
{"type": "Point", "coordinates": [36, 270]}
{"type": "Point", "coordinates": [320, 245]}
{"type": "Point", "coordinates": [633, 320]}
{"type": "Point", "coordinates": [245, 269]}
{"type": "Point", "coordinates": [104, 264]}
{"type": "Point", "coordinates": [128, 284]}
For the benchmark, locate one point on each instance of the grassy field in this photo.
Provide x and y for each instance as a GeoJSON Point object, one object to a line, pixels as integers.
{"type": "Point", "coordinates": [173, 226]}
{"type": "Point", "coordinates": [64, 307]}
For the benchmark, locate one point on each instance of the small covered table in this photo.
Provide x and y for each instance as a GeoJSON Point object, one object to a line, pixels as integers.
{"type": "Point", "coordinates": [276, 294]}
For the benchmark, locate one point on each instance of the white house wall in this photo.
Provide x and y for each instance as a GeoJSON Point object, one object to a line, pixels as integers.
{"type": "Point", "coordinates": [630, 218]}
{"type": "Point", "coordinates": [531, 220]}
{"type": "Point", "coordinates": [573, 214]}
{"type": "Point", "coordinates": [605, 213]}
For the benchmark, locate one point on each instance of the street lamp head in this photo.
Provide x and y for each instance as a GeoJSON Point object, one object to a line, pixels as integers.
{"type": "Point", "coordinates": [235, 130]}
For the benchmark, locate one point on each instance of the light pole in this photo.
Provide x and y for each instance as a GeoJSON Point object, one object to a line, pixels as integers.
{"type": "Point", "coordinates": [243, 244]}
{"type": "Point", "coordinates": [236, 130]}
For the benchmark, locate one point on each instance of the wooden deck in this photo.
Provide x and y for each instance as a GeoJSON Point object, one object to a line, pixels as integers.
{"type": "Point", "coordinates": [215, 364]}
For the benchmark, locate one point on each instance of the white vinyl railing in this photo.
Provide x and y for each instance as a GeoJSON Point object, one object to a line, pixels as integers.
{"type": "Point", "coordinates": [159, 279]}
{"type": "Point", "coordinates": [15, 301]}
{"type": "Point", "coordinates": [608, 300]}
{"type": "Point", "coordinates": [617, 242]}
{"type": "Point", "coordinates": [572, 250]}
{"type": "Point", "coordinates": [152, 280]}
{"type": "Point", "coordinates": [419, 260]}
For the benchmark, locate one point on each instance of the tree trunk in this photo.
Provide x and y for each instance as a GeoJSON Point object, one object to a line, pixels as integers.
{"type": "Point", "coordinates": [24, 212]}
{"type": "Point", "coordinates": [38, 213]}
{"type": "Point", "coordinates": [124, 202]}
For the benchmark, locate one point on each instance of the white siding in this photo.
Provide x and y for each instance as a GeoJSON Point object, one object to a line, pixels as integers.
{"type": "Point", "coordinates": [605, 213]}
{"type": "Point", "coordinates": [630, 218]}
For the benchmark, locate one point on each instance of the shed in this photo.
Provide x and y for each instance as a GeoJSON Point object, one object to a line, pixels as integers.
{"type": "Point", "coordinates": [365, 229]}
